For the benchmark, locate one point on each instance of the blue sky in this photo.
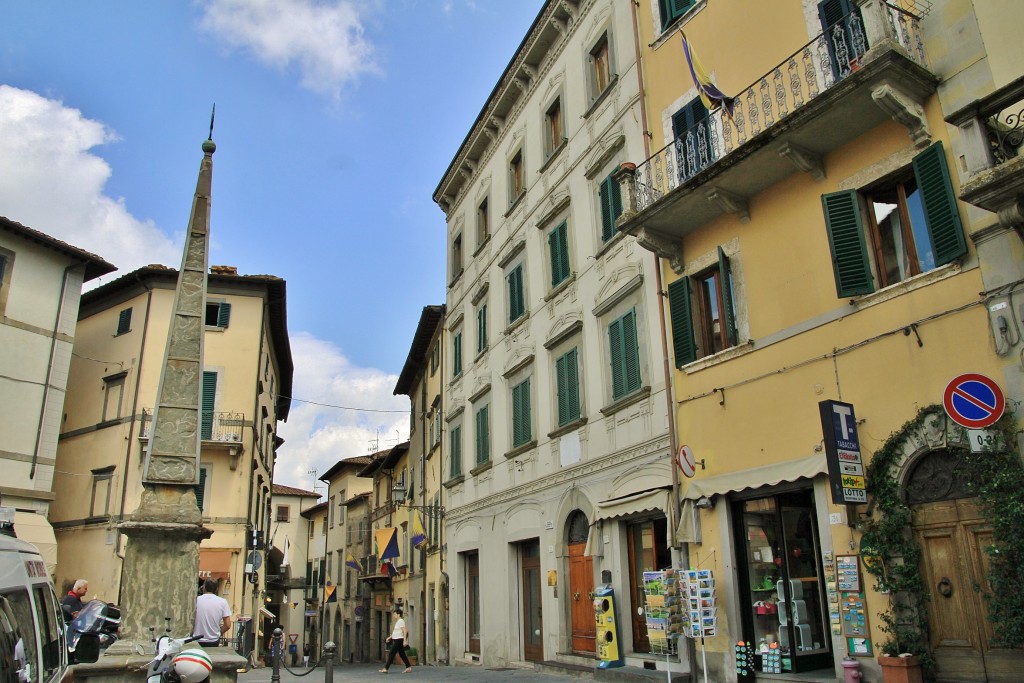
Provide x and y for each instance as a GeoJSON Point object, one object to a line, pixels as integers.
{"type": "Point", "coordinates": [335, 120]}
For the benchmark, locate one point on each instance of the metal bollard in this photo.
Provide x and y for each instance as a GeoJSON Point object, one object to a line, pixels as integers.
{"type": "Point", "coordinates": [329, 648]}
{"type": "Point", "coordinates": [276, 648]}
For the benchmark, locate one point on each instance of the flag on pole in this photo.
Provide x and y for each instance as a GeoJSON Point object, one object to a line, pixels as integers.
{"type": "Point", "coordinates": [351, 563]}
{"type": "Point", "coordinates": [419, 536]}
{"type": "Point", "coordinates": [709, 93]}
{"type": "Point", "coordinates": [284, 560]}
{"type": "Point", "coordinates": [330, 593]}
{"type": "Point", "coordinates": [385, 543]}
{"type": "Point", "coordinates": [388, 567]}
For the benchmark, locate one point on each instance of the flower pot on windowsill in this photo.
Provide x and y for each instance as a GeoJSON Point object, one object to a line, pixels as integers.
{"type": "Point", "coordinates": [901, 669]}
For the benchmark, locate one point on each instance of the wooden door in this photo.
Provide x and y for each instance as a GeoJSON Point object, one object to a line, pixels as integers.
{"type": "Point", "coordinates": [953, 535]}
{"type": "Point", "coordinates": [581, 585]}
{"type": "Point", "coordinates": [533, 629]}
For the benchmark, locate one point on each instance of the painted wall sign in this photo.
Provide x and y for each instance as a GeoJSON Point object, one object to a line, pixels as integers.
{"type": "Point", "coordinates": [973, 401]}
{"type": "Point", "coordinates": [842, 450]}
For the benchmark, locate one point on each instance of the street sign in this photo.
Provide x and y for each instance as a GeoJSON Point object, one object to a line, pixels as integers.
{"type": "Point", "coordinates": [686, 461]}
{"type": "Point", "coordinates": [842, 450]}
{"type": "Point", "coordinates": [973, 401]}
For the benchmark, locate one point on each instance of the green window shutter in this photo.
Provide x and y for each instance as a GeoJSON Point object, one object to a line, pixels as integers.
{"type": "Point", "coordinates": [625, 355]}
{"type": "Point", "coordinates": [559, 248]}
{"type": "Point", "coordinates": [124, 321]}
{"type": "Point", "coordinates": [200, 488]}
{"type": "Point", "coordinates": [611, 207]}
{"type": "Point", "coordinates": [846, 241]}
{"type": "Point", "coordinates": [456, 447]}
{"type": "Point", "coordinates": [516, 298]}
{"type": "Point", "coordinates": [521, 427]}
{"type": "Point", "coordinates": [567, 375]}
{"type": "Point", "coordinates": [457, 354]}
{"type": "Point", "coordinates": [728, 312]}
{"type": "Point", "coordinates": [940, 209]}
{"type": "Point", "coordinates": [206, 410]}
{"type": "Point", "coordinates": [684, 344]}
{"type": "Point", "coordinates": [224, 314]}
{"type": "Point", "coordinates": [481, 329]}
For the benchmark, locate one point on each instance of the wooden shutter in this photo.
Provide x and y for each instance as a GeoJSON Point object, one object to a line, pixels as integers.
{"type": "Point", "coordinates": [457, 354]}
{"type": "Point", "coordinates": [940, 208]}
{"type": "Point", "coordinates": [684, 344]}
{"type": "Point", "coordinates": [611, 207]}
{"type": "Point", "coordinates": [625, 356]}
{"type": "Point", "coordinates": [481, 329]}
{"type": "Point", "coordinates": [516, 303]}
{"type": "Point", "coordinates": [482, 437]}
{"type": "Point", "coordinates": [206, 409]}
{"type": "Point", "coordinates": [456, 446]}
{"type": "Point", "coordinates": [567, 375]}
{"type": "Point", "coordinates": [845, 228]}
{"type": "Point", "coordinates": [521, 428]}
{"type": "Point", "coordinates": [830, 13]}
{"type": "Point", "coordinates": [224, 314]}
{"type": "Point", "coordinates": [728, 312]}
{"type": "Point", "coordinates": [559, 247]}
{"type": "Point", "coordinates": [200, 488]}
{"type": "Point", "coordinates": [124, 321]}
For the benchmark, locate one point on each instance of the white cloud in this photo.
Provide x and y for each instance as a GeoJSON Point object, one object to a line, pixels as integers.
{"type": "Point", "coordinates": [319, 436]}
{"type": "Point", "coordinates": [51, 181]}
{"type": "Point", "coordinates": [324, 40]}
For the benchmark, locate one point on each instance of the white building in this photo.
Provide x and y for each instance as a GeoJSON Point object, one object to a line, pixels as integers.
{"type": "Point", "coordinates": [556, 411]}
{"type": "Point", "coordinates": [40, 287]}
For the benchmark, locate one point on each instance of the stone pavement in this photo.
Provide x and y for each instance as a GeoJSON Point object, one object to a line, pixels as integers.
{"type": "Point", "coordinates": [364, 672]}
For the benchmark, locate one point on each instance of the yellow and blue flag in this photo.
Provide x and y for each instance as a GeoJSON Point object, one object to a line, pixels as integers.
{"type": "Point", "coordinates": [419, 536]}
{"type": "Point", "coordinates": [709, 93]}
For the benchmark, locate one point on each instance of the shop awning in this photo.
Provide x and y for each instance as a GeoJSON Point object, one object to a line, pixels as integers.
{"type": "Point", "coordinates": [626, 506]}
{"type": "Point", "coordinates": [732, 482]}
{"type": "Point", "coordinates": [35, 529]}
{"type": "Point", "coordinates": [214, 564]}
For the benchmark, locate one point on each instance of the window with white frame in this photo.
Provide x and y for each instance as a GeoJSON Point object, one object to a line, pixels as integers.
{"type": "Point", "coordinates": [483, 223]}
{"type": "Point", "coordinates": [600, 72]}
{"type": "Point", "coordinates": [102, 478]}
{"type": "Point", "coordinates": [516, 177]}
{"type": "Point", "coordinates": [113, 394]}
{"type": "Point", "coordinates": [554, 133]}
{"type": "Point", "coordinates": [703, 308]}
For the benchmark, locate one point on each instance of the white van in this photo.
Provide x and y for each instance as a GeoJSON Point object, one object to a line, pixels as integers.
{"type": "Point", "coordinates": [32, 647]}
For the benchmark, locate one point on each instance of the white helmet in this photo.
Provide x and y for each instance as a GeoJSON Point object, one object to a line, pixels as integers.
{"type": "Point", "coordinates": [192, 666]}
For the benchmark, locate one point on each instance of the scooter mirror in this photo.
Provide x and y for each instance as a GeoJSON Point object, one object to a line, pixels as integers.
{"type": "Point", "coordinates": [87, 649]}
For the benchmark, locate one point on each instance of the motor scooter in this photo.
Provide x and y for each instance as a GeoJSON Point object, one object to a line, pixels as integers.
{"type": "Point", "coordinates": [174, 663]}
{"type": "Point", "coordinates": [98, 622]}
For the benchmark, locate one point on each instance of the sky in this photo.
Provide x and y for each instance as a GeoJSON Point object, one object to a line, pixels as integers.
{"type": "Point", "coordinates": [335, 120]}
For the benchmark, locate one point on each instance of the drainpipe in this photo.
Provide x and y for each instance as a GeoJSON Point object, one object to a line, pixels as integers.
{"type": "Point", "coordinates": [49, 369]}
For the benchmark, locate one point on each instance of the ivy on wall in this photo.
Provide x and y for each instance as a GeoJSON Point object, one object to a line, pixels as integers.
{"type": "Point", "coordinates": [892, 556]}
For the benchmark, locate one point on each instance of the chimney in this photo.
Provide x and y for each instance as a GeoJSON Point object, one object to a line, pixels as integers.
{"type": "Point", "coordinates": [223, 270]}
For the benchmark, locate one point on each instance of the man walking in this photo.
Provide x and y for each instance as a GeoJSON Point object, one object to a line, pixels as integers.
{"type": "Point", "coordinates": [213, 615]}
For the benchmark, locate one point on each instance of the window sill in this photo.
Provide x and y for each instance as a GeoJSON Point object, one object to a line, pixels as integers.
{"type": "Point", "coordinates": [554, 154]}
{"type": "Point", "coordinates": [672, 28]}
{"type": "Point", "coordinates": [625, 401]}
{"type": "Point", "coordinates": [458, 276]}
{"type": "Point", "coordinates": [481, 354]}
{"type": "Point", "coordinates": [454, 481]}
{"type": "Point", "coordinates": [602, 97]}
{"type": "Point", "coordinates": [481, 468]}
{"type": "Point", "coordinates": [215, 328]}
{"type": "Point", "coordinates": [519, 450]}
{"type": "Point", "coordinates": [480, 247]}
{"type": "Point", "coordinates": [719, 358]}
{"type": "Point", "coordinates": [514, 204]}
{"type": "Point", "coordinates": [560, 287]}
{"type": "Point", "coordinates": [615, 239]}
{"type": "Point", "coordinates": [568, 427]}
{"type": "Point", "coordinates": [904, 286]}
{"type": "Point", "coordinates": [518, 321]}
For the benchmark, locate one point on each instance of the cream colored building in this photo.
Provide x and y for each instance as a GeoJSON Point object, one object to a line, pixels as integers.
{"type": "Point", "coordinates": [316, 577]}
{"type": "Point", "coordinates": [112, 386]}
{"type": "Point", "coordinates": [420, 496]}
{"type": "Point", "coordinates": [814, 249]}
{"type": "Point", "coordinates": [286, 561]}
{"type": "Point", "coordinates": [556, 411]}
{"type": "Point", "coordinates": [40, 286]}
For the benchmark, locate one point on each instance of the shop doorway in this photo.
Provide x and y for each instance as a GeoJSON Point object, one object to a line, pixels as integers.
{"type": "Point", "coordinates": [533, 643]}
{"type": "Point", "coordinates": [782, 591]}
{"type": "Point", "coordinates": [473, 602]}
{"type": "Point", "coordinates": [581, 585]}
{"type": "Point", "coordinates": [648, 552]}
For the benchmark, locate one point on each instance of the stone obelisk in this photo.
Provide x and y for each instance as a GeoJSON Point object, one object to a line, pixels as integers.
{"type": "Point", "coordinates": [161, 562]}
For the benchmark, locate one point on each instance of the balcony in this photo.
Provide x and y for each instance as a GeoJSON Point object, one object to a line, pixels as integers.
{"type": "Point", "coordinates": [218, 430]}
{"type": "Point", "coordinates": [992, 130]}
{"type": "Point", "coordinates": [868, 67]}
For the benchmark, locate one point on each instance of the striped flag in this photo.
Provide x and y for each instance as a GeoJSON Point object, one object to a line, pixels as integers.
{"type": "Point", "coordinates": [709, 93]}
{"type": "Point", "coordinates": [351, 563]}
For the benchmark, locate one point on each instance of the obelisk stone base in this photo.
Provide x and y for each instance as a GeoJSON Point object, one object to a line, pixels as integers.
{"type": "Point", "coordinates": [114, 669]}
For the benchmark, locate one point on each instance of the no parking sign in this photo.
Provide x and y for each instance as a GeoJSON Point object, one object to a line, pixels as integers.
{"type": "Point", "coordinates": [973, 401]}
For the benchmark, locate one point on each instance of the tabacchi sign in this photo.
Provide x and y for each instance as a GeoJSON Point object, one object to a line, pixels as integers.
{"type": "Point", "coordinates": [842, 449]}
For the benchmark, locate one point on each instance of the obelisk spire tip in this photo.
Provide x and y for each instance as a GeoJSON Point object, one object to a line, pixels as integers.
{"type": "Point", "coordinates": [209, 147]}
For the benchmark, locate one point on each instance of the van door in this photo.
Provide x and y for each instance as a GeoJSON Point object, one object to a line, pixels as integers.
{"type": "Point", "coordinates": [51, 632]}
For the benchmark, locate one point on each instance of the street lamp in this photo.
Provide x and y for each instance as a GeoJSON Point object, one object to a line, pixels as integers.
{"type": "Point", "coordinates": [398, 492]}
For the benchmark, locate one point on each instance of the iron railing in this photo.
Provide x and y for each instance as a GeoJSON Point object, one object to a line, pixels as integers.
{"type": "Point", "coordinates": [220, 427]}
{"type": "Point", "coordinates": [807, 73]}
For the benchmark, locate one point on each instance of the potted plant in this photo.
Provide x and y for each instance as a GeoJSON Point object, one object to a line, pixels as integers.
{"type": "Point", "coordinates": [901, 668]}
{"type": "Point", "coordinates": [411, 653]}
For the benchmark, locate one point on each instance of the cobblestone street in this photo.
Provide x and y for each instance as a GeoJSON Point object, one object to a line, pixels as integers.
{"type": "Point", "coordinates": [363, 672]}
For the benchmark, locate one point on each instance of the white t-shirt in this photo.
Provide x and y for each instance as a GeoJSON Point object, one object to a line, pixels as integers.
{"type": "Point", "coordinates": [210, 612]}
{"type": "Point", "coordinates": [399, 630]}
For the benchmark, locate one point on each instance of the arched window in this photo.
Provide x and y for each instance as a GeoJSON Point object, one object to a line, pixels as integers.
{"type": "Point", "coordinates": [579, 528]}
{"type": "Point", "coordinates": [936, 476]}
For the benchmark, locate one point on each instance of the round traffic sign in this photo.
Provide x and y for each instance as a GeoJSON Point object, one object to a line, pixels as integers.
{"type": "Point", "coordinates": [685, 460]}
{"type": "Point", "coordinates": [973, 401]}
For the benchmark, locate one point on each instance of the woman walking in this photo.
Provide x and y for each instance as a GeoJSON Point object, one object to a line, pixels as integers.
{"type": "Point", "coordinates": [399, 634]}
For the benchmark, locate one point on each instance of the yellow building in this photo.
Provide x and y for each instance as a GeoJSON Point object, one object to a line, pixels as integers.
{"type": "Point", "coordinates": [420, 497]}
{"type": "Point", "coordinates": [112, 385]}
{"type": "Point", "coordinates": [814, 250]}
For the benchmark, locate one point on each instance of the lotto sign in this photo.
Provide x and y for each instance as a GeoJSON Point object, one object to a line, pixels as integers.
{"type": "Point", "coordinates": [842, 450]}
{"type": "Point", "coordinates": [973, 401]}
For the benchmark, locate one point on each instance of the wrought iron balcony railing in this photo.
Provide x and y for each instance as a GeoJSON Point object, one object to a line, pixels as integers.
{"type": "Point", "coordinates": [218, 427]}
{"type": "Point", "coordinates": [807, 73]}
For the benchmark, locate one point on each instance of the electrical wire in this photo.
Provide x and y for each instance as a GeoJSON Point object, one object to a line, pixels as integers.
{"type": "Point", "coordinates": [330, 405]}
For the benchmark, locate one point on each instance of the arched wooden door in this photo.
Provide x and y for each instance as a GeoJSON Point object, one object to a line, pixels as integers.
{"type": "Point", "coordinates": [952, 534]}
{"type": "Point", "coordinates": [581, 585]}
